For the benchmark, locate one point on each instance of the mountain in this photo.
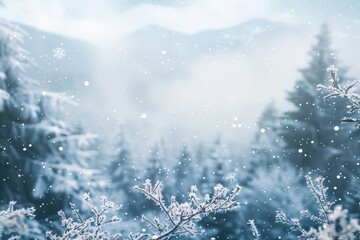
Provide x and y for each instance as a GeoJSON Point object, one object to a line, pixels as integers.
{"type": "Point", "coordinates": [143, 72]}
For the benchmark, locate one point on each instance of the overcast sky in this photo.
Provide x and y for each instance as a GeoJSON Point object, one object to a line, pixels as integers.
{"type": "Point", "coordinates": [100, 21]}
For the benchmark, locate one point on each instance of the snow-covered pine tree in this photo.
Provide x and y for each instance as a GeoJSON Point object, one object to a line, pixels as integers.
{"type": "Point", "coordinates": [156, 170]}
{"type": "Point", "coordinates": [214, 165]}
{"type": "Point", "coordinates": [217, 167]}
{"type": "Point", "coordinates": [123, 174]}
{"type": "Point", "coordinates": [266, 149]}
{"type": "Point", "coordinates": [202, 170]}
{"type": "Point", "coordinates": [42, 158]}
{"type": "Point", "coordinates": [183, 173]}
{"type": "Point", "coordinates": [155, 164]}
{"type": "Point", "coordinates": [270, 190]}
{"type": "Point", "coordinates": [311, 132]}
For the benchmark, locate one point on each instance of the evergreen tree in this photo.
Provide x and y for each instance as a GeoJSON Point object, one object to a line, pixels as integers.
{"type": "Point", "coordinates": [270, 190]}
{"type": "Point", "coordinates": [156, 171]}
{"type": "Point", "coordinates": [216, 170]}
{"type": "Point", "coordinates": [183, 173]}
{"type": "Point", "coordinates": [218, 163]}
{"type": "Point", "coordinates": [124, 174]}
{"type": "Point", "coordinates": [42, 158]}
{"type": "Point", "coordinates": [311, 132]}
{"type": "Point", "coordinates": [155, 165]}
{"type": "Point", "coordinates": [266, 149]}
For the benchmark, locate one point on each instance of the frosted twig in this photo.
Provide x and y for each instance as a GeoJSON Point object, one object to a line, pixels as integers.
{"type": "Point", "coordinates": [181, 218]}
{"type": "Point", "coordinates": [332, 223]}
{"type": "Point", "coordinates": [347, 92]}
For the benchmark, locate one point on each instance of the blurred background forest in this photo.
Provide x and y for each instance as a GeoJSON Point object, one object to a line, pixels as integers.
{"type": "Point", "coordinates": [99, 98]}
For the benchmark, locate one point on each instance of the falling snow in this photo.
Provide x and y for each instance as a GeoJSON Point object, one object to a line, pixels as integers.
{"type": "Point", "coordinates": [59, 53]}
{"type": "Point", "coordinates": [232, 127]}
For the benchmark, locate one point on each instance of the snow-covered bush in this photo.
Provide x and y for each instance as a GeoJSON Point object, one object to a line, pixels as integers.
{"type": "Point", "coordinates": [18, 223]}
{"type": "Point", "coordinates": [331, 222]}
{"type": "Point", "coordinates": [90, 227]}
{"type": "Point", "coordinates": [179, 218]}
{"type": "Point", "coordinates": [270, 190]}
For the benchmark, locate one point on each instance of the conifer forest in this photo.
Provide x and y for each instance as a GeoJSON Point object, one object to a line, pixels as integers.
{"type": "Point", "coordinates": [179, 119]}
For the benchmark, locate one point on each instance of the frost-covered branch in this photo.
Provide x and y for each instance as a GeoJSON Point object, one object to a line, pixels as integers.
{"type": "Point", "coordinates": [332, 222]}
{"type": "Point", "coordinates": [347, 92]}
{"type": "Point", "coordinates": [88, 228]}
{"type": "Point", "coordinates": [254, 229]}
{"type": "Point", "coordinates": [180, 218]}
{"type": "Point", "coordinates": [14, 220]}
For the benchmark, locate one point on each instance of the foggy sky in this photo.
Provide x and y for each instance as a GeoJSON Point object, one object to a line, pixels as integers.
{"type": "Point", "coordinates": [195, 68]}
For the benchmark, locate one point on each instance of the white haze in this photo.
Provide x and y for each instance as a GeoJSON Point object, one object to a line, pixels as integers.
{"type": "Point", "coordinates": [212, 90]}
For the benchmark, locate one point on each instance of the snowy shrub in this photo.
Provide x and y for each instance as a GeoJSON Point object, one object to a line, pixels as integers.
{"type": "Point", "coordinates": [180, 218]}
{"type": "Point", "coordinates": [331, 222]}
{"type": "Point", "coordinates": [270, 190]}
{"type": "Point", "coordinates": [88, 228]}
{"type": "Point", "coordinates": [16, 221]}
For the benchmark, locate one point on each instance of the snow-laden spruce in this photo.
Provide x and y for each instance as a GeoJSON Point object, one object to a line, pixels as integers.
{"type": "Point", "coordinates": [331, 222]}
{"type": "Point", "coordinates": [48, 154]}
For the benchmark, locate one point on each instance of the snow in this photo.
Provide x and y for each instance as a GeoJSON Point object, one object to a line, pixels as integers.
{"type": "Point", "coordinates": [178, 174]}
{"type": "Point", "coordinates": [59, 53]}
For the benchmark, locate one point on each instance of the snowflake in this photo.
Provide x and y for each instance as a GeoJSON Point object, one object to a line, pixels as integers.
{"type": "Point", "coordinates": [231, 176]}
{"type": "Point", "coordinates": [59, 53]}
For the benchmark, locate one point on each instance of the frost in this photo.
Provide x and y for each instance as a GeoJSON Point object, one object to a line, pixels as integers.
{"type": "Point", "coordinates": [180, 218]}
{"type": "Point", "coordinates": [347, 92]}
{"type": "Point", "coordinates": [331, 223]}
{"type": "Point", "coordinates": [14, 221]}
{"type": "Point", "coordinates": [90, 227]}
{"type": "Point", "coordinates": [254, 229]}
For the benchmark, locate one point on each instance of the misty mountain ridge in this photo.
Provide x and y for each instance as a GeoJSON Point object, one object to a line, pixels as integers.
{"type": "Point", "coordinates": [163, 54]}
